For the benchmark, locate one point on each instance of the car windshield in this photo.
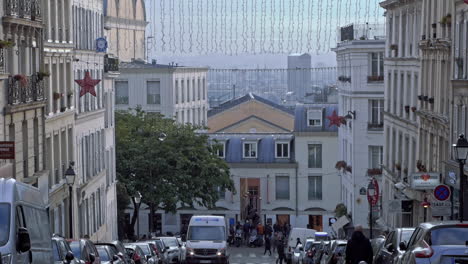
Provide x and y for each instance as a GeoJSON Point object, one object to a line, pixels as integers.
{"type": "Point", "coordinates": [170, 242]}
{"type": "Point", "coordinates": [455, 235]}
{"type": "Point", "coordinates": [207, 233]}
{"type": "Point", "coordinates": [145, 249]}
{"type": "Point", "coordinates": [308, 245]}
{"type": "Point", "coordinates": [75, 247]}
{"type": "Point", "coordinates": [406, 235]}
{"type": "Point", "coordinates": [159, 245]}
{"type": "Point", "coordinates": [4, 223]}
{"type": "Point", "coordinates": [340, 248]}
{"type": "Point", "coordinates": [103, 254]}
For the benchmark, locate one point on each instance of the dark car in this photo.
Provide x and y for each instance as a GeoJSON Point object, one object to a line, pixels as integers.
{"type": "Point", "coordinates": [391, 251]}
{"type": "Point", "coordinates": [437, 242]}
{"type": "Point", "coordinates": [85, 251]}
{"type": "Point", "coordinates": [108, 254]}
{"type": "Point", "coordinates": [62, 251]}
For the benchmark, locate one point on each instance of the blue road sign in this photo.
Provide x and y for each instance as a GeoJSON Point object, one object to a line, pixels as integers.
{"type": "Point", "coordinates": [442, 192]}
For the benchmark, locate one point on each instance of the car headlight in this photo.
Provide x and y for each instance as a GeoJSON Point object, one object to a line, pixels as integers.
{"type": "Point", "coordinates": [6, 259]}
{"type": "Point", "coordinates": [190, 251]}
{"type": "Point", "coordinates": [221, 252]}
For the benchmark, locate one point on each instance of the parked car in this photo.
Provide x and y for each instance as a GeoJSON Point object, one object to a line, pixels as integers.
{"type": "Point", "coordinates": [377, 244]}
{"type": "Point", "coordinates": [303, 234]}
{"type": "Point", "coordinates": [310, 249]}
{"type": "Point", "coordinates": [390, 252]}
{"type": "Point", "coordinates": [298, 255]}
{"type": "Point", "coordinates": [162, 251]}
{"type": "Point", "coordinates": [121, 252]}
{"type": "Point", "coordinates": [437, 242]}
{"type": "Point", "coordinates": [183, 250]}
{"type": "Point", "coordinates": [85, 251]}
{"type": "Point", "coordinates": [108, 255]}
{"type": "Point", "coordinates": [149, 252]}
{"type": "Point", "coordinates": [62, 251]}
{"type": "Point", "coordinates": [173, 249]}
{"type": "Point", "coordinates": [335, 252]}
{"type": "Point", "coordinates": [136, 254]}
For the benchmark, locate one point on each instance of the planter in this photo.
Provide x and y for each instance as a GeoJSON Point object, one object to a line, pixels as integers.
{"type": "Point", "coordinates": [407, 107]}
{"type": "Point", "coordinates": [413, 109]}
{"type": "Point", "coordinates": [431, 100]}
{"type": "Point", "coordinates": [6, 44]}
{"type": "Point", "coordinates": [340, 165]}
{"type": "Point", "coordinates": [57, 96]}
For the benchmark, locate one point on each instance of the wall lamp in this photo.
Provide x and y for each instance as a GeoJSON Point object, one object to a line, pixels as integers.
{"type": "Point", "coordinates": [351, 115]}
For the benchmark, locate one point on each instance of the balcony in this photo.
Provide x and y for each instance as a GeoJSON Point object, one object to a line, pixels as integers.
{"type": "Point", "coordinates": [375, 78]}
{"type": "Point", "coordinates": [26, 9]}
{"type": "Point", "coordinates": [25, 89]}
{"type": "Point", "coordinates": [375, 126]}
{"type": "Point", "coordinates": [111, 64]}
{"type": "Point", "coordinates": [2, 61]}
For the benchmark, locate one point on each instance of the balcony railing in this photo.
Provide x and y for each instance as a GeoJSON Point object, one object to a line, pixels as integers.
{"type": "Point", "coordinates": [28, 9]}
{"type": "Point", "coordinates": [25, 89]}
{"type": "Point", "coordinates": [2, 61]}
{"type": "Point", "coordinates": [111, 64]}
{"type": "Point", "coordinates": [375, 126]}
{"type": "Point", "coordinates": [375, 78]}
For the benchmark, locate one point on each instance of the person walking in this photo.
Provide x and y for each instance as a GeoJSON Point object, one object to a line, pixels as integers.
{"type": "Point", "coordinates": [267, 245]}
{"type": "Point", "coordinates": [281, 255]}
{"type": "Point", "coordinates": [358, 248]}
{"type": "Point", "coordinates": [246, 231]}
{"type": "Point", "coordinates": [274, 241]}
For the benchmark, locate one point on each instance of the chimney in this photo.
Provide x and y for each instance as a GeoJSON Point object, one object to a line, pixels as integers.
{"type": "Point", "coordinates": [153, 62]}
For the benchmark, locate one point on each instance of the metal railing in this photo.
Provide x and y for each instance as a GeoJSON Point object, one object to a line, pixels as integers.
{"type": "Point", "coordinates": [111, 64]}
{"type": "Point", "coordinates": [25, 89]}
{"type": "Point", "coordinates": [2, 61]}
{"type": "Point", "coordinates": [375, 126]}
{"type": "Point", "coordinates": [28, 9]}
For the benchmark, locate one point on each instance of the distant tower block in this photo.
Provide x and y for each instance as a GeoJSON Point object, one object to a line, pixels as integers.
{"type": "Point", "coordinates": [299, 75]}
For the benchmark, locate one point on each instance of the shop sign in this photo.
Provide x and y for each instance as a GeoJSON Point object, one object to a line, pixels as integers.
{"type": "Point", "coordinates": [425, 180]}
{"type": "Point", "coordinates": [451, 179]}
{"type": "Point", "coordinates": [7, 150]}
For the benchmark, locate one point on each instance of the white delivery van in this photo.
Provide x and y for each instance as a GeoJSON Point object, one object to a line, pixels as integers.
{"type": "Point", "coordinates": [206, 240]}
{"type": "Point", "coordinates": [24, 225]}
{"type": "Point", "coordinates": [303, 234]}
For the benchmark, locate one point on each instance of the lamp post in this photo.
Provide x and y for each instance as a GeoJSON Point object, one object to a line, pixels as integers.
{"type": "Point", "coordinates": [70, 176]}
{"type": "Point", "coordinates": [370, 196]}
{"type": "Point", "coordinates": [461, 154]}
{"type": "Point", "coordinates": [137, 200]}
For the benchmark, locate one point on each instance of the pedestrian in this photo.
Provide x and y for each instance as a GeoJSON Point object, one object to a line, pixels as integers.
{"type": "Point", "coordinates": [298, 242]}
{"type": "Point", "coordinates": [246, 231]}
{"type": "Point", "coordinates": [267, 245]}
{"type": "Point", "coordinates": [260, 229]}
{"type": "Point", "coordinates": [268, 230]}
{"type": "Point", "coordinates": [281, 255]}
{"type": "Point", "coordinates": [274, 241]}
{"type": "Point", "coordinates": [276, 227]}
{"type": "Point", "coordinates": [358, 248]}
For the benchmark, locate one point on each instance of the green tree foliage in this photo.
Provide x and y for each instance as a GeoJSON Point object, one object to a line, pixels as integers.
{"type": "Point", "coordinates": [168, 163]}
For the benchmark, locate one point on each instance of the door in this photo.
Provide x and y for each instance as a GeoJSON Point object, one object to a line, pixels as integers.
{"type": "Point", "coordinates": [316, 222]}
{"type": "Point", "coordinates": [250, 197]}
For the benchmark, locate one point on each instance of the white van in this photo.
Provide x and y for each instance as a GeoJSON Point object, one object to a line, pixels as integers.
{"type": "Point", "coordinates": [24, 225]}
{"type": "Point", "coordinates": [206, 240]}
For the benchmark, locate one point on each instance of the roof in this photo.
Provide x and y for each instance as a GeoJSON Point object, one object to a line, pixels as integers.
{"type": "Point", "coordinates": [300, 118]}
{"type": "Point", "coordinates": [246, 98]}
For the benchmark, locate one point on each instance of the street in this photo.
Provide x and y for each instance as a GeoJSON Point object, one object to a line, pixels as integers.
{"type": "Point", "coordinates": [245, 255]}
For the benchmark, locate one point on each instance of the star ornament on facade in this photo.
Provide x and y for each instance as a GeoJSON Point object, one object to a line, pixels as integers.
{"type": "Point", "coordinates": [336, 120]}
{"type": "Point", "coordinates": [87, 84]}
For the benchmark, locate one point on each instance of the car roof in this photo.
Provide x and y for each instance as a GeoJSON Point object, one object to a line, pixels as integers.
{"type": "Point", "coordinates": [430, 225]}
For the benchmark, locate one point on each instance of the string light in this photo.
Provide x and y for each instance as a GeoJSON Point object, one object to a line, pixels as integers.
{"type": "Point", "coordinates": [163, 35]}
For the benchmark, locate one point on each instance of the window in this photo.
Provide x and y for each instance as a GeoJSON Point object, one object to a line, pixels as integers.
{"type": "Point", "coordinates": [377, 108]}
{"type": "Point", "coordinates": [176, 92]}
{"type": "Point", "coordinates": [219, 148]}
{"type": "Point", "coordinates": [315, 156]}
{"type": "Point", "coordinates": [221, 193]}
{"type": "Point", "coordinates": [282, 150]}
{"type": "Point", "coordinates": [377, 62]}
{"type": "Point", "coordinates": [250, 150]}
{"type": "Point", "coordinates": [375, 157]}
{"type": "Point", "coordinates": [121, 92]}
{"type": "Point", "coordinates": [282, 187]}
{"type": "Point", "coordinates": [315, 188]}
{"type": "Point", "coordinates": [314, 118]}
{"type": "Point", "coordinates": [153, 92]}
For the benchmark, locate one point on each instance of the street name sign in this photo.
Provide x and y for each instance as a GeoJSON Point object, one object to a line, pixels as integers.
{"type": "Point", "coordinates": [7, 150]}
{"type": "Point", "coordinates": [441, 208]}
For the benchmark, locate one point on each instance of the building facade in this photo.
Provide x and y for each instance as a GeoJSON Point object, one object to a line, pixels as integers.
{"type": "Point", "coordinates": [361, 101]}
{"type": "Point", "coordinates": [175, 92]}
{"type": "Point", "coordinates": [299, 75]}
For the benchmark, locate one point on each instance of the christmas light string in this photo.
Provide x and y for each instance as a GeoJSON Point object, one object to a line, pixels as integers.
{"type": "Point", "coordinates": [329, 27]}
{"type": "Point", "coordinates": [231, 40]}
{"type": "Point", "coordinates": [300, 38]}
{"type": "Point", "coordinates": [163, 36]}
{"type": "Point", "coordinates": [200, 26]}
{"type": "Point", "coordinates": [291, 25]}
{"type": "Point", "coordinates": [207, 26]}
{"type": "Point", "coordinates": [244, 25]}
{"type": "Point", "coordinates": [181, 26]}
{"type": "Point", "coordinates": [348, 10]}
{"type": "Point", "coordinates": [319, 24]}
{"type": "Point", "coordinates": [310, 13]}
{"type": "Point", "coordinates": [236, 25]}
{"type": "Point", "coordinates": [271, 49]}
{"type": "Point", "coordinates": [190, 24]}
{"type": "Point", "coordinates": [358, 12]}
{"type": "Point", "coordinates": [215, 26]}
{"type": "Point", "coordinates": [281, 27]}
{"type": "Point", "coordinates": [262, 26]}
{"type": "Point", "coordinates": [254, 27]}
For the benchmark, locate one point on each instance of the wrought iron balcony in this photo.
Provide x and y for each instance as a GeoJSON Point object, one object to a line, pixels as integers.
{"type": "Point", "coordinates": [375, 126]}
{"type": "Point", "coordinates": [25, 89]}
{"type": "Point", "coordinates": [28, 9]}
{"type": "Point", "coordinates": [2, 61]}
{"type": "Point", "coordinates": [111, 64]}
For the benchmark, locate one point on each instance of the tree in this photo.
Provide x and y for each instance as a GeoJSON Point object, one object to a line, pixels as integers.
{"type": "Point", "coordinates": [168, 163]}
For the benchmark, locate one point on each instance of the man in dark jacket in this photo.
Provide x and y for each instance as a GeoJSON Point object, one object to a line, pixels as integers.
{"type": "Point", "coordinates": [359, 248]}
{"type": "Point", "coordinates": [281, 255]}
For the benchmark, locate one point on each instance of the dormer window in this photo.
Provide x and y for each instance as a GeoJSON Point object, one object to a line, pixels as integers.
{"type": "Point", "coordinates": [250, 150]}
{"type": "Point", "coordinates": [282, 150]}
{"type": "Point", "coordinates": [220, 148]}
{"type": "Point", "coordinates": [314, 118]}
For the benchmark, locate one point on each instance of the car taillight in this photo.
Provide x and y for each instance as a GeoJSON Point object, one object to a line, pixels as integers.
{"type": "Point", "coordinates": [136, 257]}
{"type": "Point", "coordinates": [423, 251]}
{"type": "Point", "coordinates": [462, 225]}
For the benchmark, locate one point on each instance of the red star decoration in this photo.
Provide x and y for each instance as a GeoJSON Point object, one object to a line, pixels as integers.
{"type": "Point", "coordinates": [335, 120]}
{"type": "Point", "coordinates": [87, 84]}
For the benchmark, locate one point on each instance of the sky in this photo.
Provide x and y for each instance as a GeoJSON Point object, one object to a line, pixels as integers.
{"type": "Point", "coordinates": [253, 33]}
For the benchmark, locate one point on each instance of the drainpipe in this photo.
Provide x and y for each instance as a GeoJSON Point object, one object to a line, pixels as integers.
{"type": "Point", "coordinates": [297, 202]}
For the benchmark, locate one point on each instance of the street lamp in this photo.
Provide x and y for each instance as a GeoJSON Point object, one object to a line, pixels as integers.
{"type": "Point", "coordinates": [370, 195]}
{"type": "Point", "coordinates": [461, 154]}
{"type": "Point", "coordinates": [70, 176]}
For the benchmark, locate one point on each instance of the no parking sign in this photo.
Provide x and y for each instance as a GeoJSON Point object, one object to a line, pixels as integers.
{"type": "Point", "coordinates": [442, 192]}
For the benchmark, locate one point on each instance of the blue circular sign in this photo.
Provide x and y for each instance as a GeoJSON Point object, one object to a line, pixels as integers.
{"type": "Point", "coordinates": [442, 193]}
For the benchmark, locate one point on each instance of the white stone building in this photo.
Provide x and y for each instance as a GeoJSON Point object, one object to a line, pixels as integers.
{"type": "Point", "coordinates": [402, 82]}
{"type": "Point", "coordinates": [176, 92]}
{"type": "Point", "coordinates": [361, 100]}
{"type": "Point", "coordinates": [94, 130]}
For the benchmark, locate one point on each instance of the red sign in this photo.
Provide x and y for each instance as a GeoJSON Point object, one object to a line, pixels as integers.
{"type": "Point", "coordinates": [442, 193]}
{"type": "Point", "coordinates": [373, 198]}
{"type": "Point", "coordinates": [7, 150]}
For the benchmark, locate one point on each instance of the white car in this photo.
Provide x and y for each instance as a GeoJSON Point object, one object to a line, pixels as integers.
{"type": "Point", "coordinates": [173, 249]}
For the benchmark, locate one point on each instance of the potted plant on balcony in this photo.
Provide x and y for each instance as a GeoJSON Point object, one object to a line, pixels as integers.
{"type": "Point", "coordinates": [374, 172]}
{"type": "Point", "coordinates": [413, 109]}
{"type": "Point", "coordinates": [57, 95]}
{"type": "Point", "coordinates": [42, 74]}
{"type": "Point", "coordinates": [6, 44]}
{"type": "Point", "coordinates": [21, 78]}
{"type": "Point", "coordinates": [407, 107]}
{"type": "Point", "coordinates": [340, 165]}
{"type": "Point", "coordinates": [349, 169]}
